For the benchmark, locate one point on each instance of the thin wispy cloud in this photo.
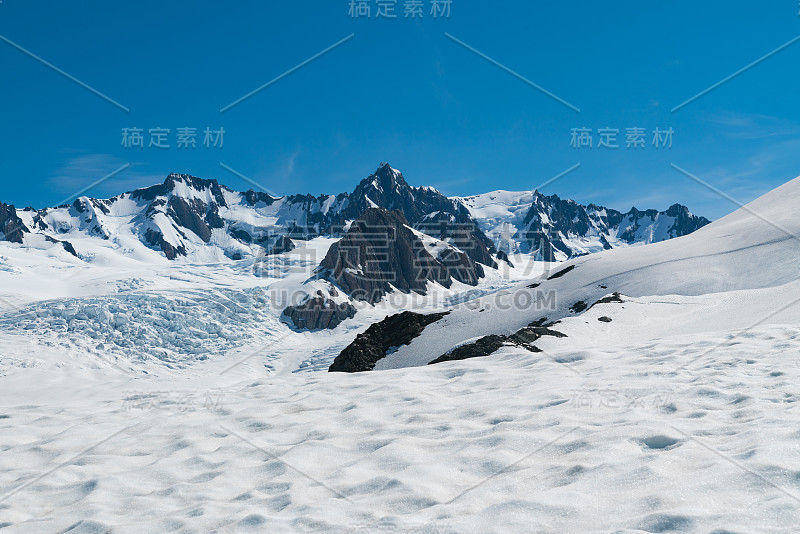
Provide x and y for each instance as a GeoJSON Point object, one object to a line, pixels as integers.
{"type": "Point", "coordinates": [754, 126]}
{"type": "Point", "coordinates": [80, 171]}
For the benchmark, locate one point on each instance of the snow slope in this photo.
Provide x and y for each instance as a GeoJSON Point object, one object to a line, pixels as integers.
{"type": "Point", "coordinates": [625, 441]}
{"type": "Point", "coordinates": [755, 248]}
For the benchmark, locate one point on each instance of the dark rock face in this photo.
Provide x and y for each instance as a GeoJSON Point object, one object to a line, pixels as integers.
{"type": "Point", "coordinates": [502, 256]}
{"type": "Point", "coordinates": [69, 248]}
{"type": "Point", "coordinates": [86, 209]}
{"type": "Point", "coordinates": [425, 209]}
{"type": "Point", "coordinates": [255, 198]}
{"type": "Point", "coordinates": [380, 251]}
{"type": "Point", "coordinates": [460, 267]}
{"type": "Point", "coordinates": [156, 239]}
{"type": "Point", "coordinates": [81, 205]}
{"type": "Point", "coordinates": [195, 215]}
{"type": "Point", "coordinates": [462, 232]}
{"type": "Point", "coordinates": [317, 220]}
{"type": "Point", "coordinates": [550, 218]}
{"type": "Point", "coordinates": [490, 344]}
{"type": "Point", "coordinates": [190, 216]}
{"type": "Point", "coordinates": [561, 273]}
{"type": "Point", "coordinates": [579, 307]}
{"type": "Point", "coordinates": [11, 226]}
{"type": "Point", "coordinates": [685, 222]}
{"type": "Point", "coordinates": [386, 188]}
{"type": "Point", "coordinates": [319, 313]}
{"type": "Point", "coordinates": [283, 244]}
{"type": "Point", "coordinates": [483, 347]}
{"type": "Point", "coordinates": [371, 346]}
{"type": "Point", "coordinates": [528, 335]}
{"type": "Point", "coordinates": [613, 298]}
{"type": "Point", "coordinates": [65, 244]}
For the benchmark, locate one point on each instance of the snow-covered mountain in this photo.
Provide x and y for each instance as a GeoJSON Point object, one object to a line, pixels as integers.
{"type": "Point", "coordinates": [426, 238]}
{"type": "Point", "coordinates": [202, 220]}
{"type": "Point", "coordinates": [555, 229]}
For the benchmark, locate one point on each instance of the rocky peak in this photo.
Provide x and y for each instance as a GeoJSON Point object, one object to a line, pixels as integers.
{"type": "Point", "coordinates": [11, 226]}
{"type": "Point", "coordinates": [388, 179]}
{"type": "Point", "coordinates": [425, 208]}
{"type": "Point", "coordinates": [255, 197]}
{"type": "Point", "coordinates": [385, 188]}
{"type": "Point", "coordinates": [556, 229]}
{"type": "Point", "coordinates": [380, 251]}
{"type": "Point", "coordinates": [177, 184]}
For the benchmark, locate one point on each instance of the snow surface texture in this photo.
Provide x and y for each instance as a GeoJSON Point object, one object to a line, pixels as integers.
{"type": "Point", "coordinates": [679, 415]}
{"type": "Point", "coordinates": [627, 439]}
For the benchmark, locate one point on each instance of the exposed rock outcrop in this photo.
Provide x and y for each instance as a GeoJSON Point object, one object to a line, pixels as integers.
{"type": "Point", "coordinates": [502, 256]}
{"type": "Point", "coordinates": [488, 345]}
{"type": "Point", "coordinates": [380, 251]}
{"type": "Point", "coordinates": [11, 226]}
{"type": "Point", "coordinates": [65, 244]}
{"type": "Point", "coordinates": [482, 347]}
{"type": "Point", "coordinates": [371, 346]}
{"type": "Point", "coordinates": [283, 244]}
{"type": "Point", "coordinates": [612, 298]}
{"type": "Point", "coordinates": [319, 313]}
{"type": "Point", "coordinates": [156, 239]}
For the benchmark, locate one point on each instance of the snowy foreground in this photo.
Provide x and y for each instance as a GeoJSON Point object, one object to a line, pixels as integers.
{"type": "Point", "coordinates": [646, 438]}
{"type": "Point", "coordinates": [156, 398]}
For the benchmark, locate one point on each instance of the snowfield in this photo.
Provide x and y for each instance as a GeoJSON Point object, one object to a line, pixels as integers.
{"type": "Point", "coordinates": [139, 395]}
{"type": "Point", "coordinates": [625, 439]}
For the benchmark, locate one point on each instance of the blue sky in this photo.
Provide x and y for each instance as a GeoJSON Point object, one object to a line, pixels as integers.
{"type": "Point", "coordinates": [401, 91]}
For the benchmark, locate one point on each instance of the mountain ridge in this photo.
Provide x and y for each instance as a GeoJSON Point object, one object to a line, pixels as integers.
{"type": "Point", "coordinates": [555, 229]}
{"type": "Point", "coordinates": [188, 216]}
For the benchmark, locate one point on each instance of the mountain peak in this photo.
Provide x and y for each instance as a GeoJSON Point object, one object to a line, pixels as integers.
{"type": "Point", "coordinates": [387, 178]}
{"type": "Point", "coordinates": [175, 178]}
{"type": "Point", "coordinates": [178, 184]}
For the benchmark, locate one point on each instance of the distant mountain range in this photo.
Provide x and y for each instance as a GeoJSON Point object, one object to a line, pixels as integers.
{"type": "Point", "coordinates": [203, 220]}
{"type": "Point", "coordinates": [556, 230]}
